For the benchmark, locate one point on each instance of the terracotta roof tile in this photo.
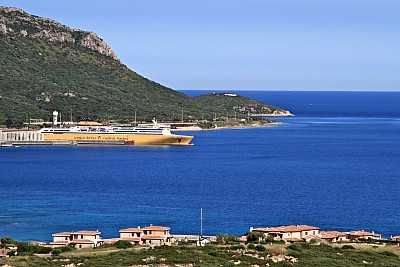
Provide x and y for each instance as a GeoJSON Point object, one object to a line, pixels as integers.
{"type": "Point", "coordinates": [130, 230]}
{"type": "Point", "coordinates": [363, 233]}
{"type": "Point", "coordinates": [62, 234]}
{"type": "Point", "coordinates": [289, 228]}
{"type": "Point", "coordinates": [156, 228]}
{"type": "Point", "coordinates": [332, 234]}
{"type": "Point", "coordinates": [86, 232]}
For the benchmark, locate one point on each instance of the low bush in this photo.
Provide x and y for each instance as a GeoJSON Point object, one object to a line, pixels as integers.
{"type": "Point", "coordinates": [348, 247]}
{"type": "Point", "coordinates": [237, 247]}
{"type": "Point", "coordinates": [213, 253]}
{"type": "Point", "coordinates": [388, 253]}
{"type": "Point", "coordinates": [56, 252]}
{"type": "Point", "coordinates": [67, 248]}
{"type": "Point", "coordinates": [294, 247]}
{"type": "Point", "coordinates": [260, 248]}
{"type": "Point", "coordinates": [251, 246]}
{"type": "Point", "coordinates": [123, 244]}
{"type": "Point", "coordinates": [26, 248]}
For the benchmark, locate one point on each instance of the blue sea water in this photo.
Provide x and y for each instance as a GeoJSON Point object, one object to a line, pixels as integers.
{"type": "Point", "coordinates": [334, 165]}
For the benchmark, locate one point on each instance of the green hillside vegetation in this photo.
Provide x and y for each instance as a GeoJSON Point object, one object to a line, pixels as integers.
{"type": "Point", "coordinates": [301, 255]}
{"type": "Point", "coordinates": [37, 77]}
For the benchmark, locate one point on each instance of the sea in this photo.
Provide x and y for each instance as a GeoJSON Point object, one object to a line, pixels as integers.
{"type": "Point", "coordinates": [334, 165]}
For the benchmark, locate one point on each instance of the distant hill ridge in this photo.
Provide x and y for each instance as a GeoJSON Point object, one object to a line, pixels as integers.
{"type": "Point", "coordinates": [48, 66]}
{"type": "Point", "coordinates": [240, 104]}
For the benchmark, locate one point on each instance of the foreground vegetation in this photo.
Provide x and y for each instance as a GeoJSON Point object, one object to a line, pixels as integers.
{"type": "Point", "coordinates": [234, 254]}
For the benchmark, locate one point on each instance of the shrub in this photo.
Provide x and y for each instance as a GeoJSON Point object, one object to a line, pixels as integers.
{"type": "Point", "coordinates": [348, 247]}
{"type": "Point", "coordinates": [294, 247]}
{"type": "Point", "coordinates": [251, 246]}
{"type": "Point", "coordinates": [123, 244]}
{"type": "Point", "coordinates": [7, 240]}
{"type": "Point", "coordinates": [226, 239]}
{"type": "Point", "coordinates": [254, 236]}
{"type": "Point", "coordinates": [56, 252]}
{"type": "Point", "coordinates": [388, 253]}
{"type": "Point", "coordinates": [67, 248]}
{"type": "Point", "coordinates": [260, 248]}
{"type": "Point", "coordinates": [236, 247]}
{"type": "Point", "coordinates": [12, 253]}
{"type": "Point", "coordinates": [213, 253]}
{"type": "Point", "coordinates": [24, 247]}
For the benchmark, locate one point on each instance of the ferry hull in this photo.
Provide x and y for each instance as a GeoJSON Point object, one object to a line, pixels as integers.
{"type": "Point", "coordinates": [129, 139]}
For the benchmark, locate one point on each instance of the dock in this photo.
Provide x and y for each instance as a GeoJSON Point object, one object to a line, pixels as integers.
{"type": "Point", "coordinates": [33, 138]}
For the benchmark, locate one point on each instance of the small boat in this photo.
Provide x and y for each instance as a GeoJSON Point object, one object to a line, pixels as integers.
{"type": "Point", "coordinates": [6, 145]}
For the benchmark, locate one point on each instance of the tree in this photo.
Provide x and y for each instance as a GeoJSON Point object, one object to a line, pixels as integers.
{"type": "Point", "coordinates": [7, 240]}
{"type": "Point", "coordinates": [254, 236]}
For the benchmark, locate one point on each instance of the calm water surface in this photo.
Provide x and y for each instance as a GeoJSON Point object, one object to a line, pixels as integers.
{"type": "Point", "coordinates": [336, 172]}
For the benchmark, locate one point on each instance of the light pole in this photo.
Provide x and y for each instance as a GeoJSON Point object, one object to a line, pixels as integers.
{"type": "Point", "coordinates": [135, 118]}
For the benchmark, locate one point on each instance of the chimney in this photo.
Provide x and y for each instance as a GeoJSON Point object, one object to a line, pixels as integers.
{"type": "Point", "coordinates": [151, 224]}
{"type": "Point", "coordinates": [138, 227]}
{"type": "Point", "coordinates": [251, 228]}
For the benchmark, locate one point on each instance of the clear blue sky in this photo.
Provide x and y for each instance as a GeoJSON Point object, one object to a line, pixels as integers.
{"type": "Point", "coordinates": [246, 44]}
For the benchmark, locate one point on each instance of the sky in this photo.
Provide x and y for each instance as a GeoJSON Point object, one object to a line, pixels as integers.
{"type": "Point", "coordinates": [347, 45]}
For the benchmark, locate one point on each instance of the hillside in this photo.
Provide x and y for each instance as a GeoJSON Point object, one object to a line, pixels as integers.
{"type": "Point", "coordinates": [240, 104]}
{"type": "Point", "coordinates": [48, 66]}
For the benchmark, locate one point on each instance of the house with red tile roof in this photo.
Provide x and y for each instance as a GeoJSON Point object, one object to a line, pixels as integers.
{"type": "Point", "coordinates": [79, 239]}
{"type": "Point", "coordinates": [290, 233]}
{"type": "Point", "coordinates": [363, 234]}
{"type": "Point", "coordinates": [151, 235]}
{"type": "Point", "coordinates": [133, 235]}
{"type": "Point", "coordinates": [156, 235]}
{"type": "Point", "coordinates": [395, 238]}
{"type": "Point", "coordinates": [334, 236]}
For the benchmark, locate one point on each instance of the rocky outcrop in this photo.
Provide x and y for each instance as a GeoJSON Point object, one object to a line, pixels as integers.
{"type": "Point", "coordinates": [16, 22]}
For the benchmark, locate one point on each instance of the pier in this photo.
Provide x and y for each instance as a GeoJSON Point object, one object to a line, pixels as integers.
{"type": "Point", "coordinates": [37, 139]}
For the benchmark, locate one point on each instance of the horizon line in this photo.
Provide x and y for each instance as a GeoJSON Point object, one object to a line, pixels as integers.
{"type": "Point", "coordinates": [293, 90]}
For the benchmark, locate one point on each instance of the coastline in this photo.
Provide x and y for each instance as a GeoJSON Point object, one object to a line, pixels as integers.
{"type": "Point", "coordinates": [196, 128]}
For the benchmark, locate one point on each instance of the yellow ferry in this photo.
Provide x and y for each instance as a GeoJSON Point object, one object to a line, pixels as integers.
{"type": "Point", "coordinates": [139, 135]}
